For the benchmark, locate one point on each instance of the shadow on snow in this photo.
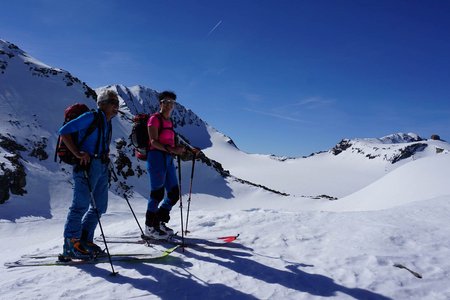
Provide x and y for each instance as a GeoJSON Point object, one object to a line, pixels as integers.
{"type": "Point", "coordinates": [182, 283]}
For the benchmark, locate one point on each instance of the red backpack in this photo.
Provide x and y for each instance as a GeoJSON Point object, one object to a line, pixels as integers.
{"type": "Point", "coordinates": [70, 113]}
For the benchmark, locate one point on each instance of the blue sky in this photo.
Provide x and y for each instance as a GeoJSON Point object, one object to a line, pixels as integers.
{"type": "Point", "coordinates": [279, 77]}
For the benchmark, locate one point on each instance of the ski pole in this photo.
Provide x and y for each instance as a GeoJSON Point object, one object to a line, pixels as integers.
{"type": "Point", "coordinates": [113, 173]}
{"type": "Point", "coordinates": [99, 223]}
{"type": "Point", "coordinates": [115, 178]}
{"type": "Point", "coordinates": [190, 192]}
{"type": "Point", "coordinates": [181, 202]}
{"type": "Point", "coordinates": [139, 225]}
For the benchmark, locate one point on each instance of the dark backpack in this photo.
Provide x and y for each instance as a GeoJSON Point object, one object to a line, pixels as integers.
{"type": "Point", "coordinates": [70, 113]}
{"type": "Point", "coordinates": [139, 133]}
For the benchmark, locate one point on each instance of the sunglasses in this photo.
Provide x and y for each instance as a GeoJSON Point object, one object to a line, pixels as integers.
{"type": "Point", "coordinates": [113, 102]}
{"type": "Point", "coordinates": [167, 101]}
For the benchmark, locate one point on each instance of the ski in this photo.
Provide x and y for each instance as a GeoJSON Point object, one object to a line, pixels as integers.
{"type": "Point", "coordinates": [139, 240]}
{"type": "Point", "coordinates": [55, 255]}
{"type": "Point", "coordinates": [49, 260]}
{"type": "Point", "coordinates": [174, 239]}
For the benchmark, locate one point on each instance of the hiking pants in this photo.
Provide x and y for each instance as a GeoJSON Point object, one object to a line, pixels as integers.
{"type": "Point", "coordinates": [82, 216]}
{"type": "Point", "coordinates": [163, 178]}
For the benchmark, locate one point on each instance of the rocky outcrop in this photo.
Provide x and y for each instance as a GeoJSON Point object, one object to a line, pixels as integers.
{"type": "Point", "coordinates": [123, 163]}
{"type": "Point", "coordinates": [341, 146]}
{"type": "Point", "coordinates": [392, 148]}
{"type": "Point", "coordinates": [38, 149]}
{"type": "Point", "coordinates": [6, 54]}
{"type": "Point", "coordinates": [398, 138]}
{"type": "Point", "coordinates": [12, 175]}
{"type": "Point", "coordinates": [408, 151]}
{"type": "Point", "coordinates": [435, 137]}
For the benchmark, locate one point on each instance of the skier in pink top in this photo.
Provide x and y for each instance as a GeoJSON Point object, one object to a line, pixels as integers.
{"type": "Point", "coordinates": [161, 169]}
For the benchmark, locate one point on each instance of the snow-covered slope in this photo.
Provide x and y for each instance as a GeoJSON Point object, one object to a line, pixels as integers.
{"type": "Point", "coordinates": [32, 99]}
{"type": "Point", "coordinates": [422, 179]}
{"type": "Point", "coordinates": [348, 167]}
{"type": "Point", "coordinates": [352, 212]}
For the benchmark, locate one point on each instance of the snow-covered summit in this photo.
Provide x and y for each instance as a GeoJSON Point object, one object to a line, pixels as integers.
{"type": "Point", "coordinates": [31, 90]}
{"type": "Point", "coordinates": [11, 50]}
{"type": "Point", "coordinates": [33, 96]}
{"type": "Point", "coordinates": [14, 62]}
{"type": "Point", "coordinates": [397, 138]}
{"type": "Point", "coordinates": [391, 148]}
{"type": "Point", "coordinates": [139, 99]}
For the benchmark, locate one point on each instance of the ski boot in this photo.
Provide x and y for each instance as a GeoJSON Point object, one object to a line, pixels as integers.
{"type": "Point", "coordinates": [73, 249]}
{"type": "Point", "coordinates": [166, 229]}
{"type": "Point", "coordinates": [94, 250]}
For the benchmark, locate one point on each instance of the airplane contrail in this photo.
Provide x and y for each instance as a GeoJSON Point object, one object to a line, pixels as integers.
{"type": "Point", "coordinates": [215, 27]}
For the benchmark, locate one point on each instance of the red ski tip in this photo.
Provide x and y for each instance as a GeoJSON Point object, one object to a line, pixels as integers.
{"type": "Point", "coordinates": [228, 239]}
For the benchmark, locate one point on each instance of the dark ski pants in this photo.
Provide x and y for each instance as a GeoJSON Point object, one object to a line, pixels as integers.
{"type": "Point", "coordinates": [163, 181]}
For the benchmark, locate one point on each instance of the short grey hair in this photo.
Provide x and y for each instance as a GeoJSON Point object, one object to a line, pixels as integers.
{"type": "Point", "coordinates": [107, 96]}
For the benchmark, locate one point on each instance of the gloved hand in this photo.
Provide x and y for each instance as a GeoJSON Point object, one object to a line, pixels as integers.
{"type": "Point", "coordinates": [81, 168]}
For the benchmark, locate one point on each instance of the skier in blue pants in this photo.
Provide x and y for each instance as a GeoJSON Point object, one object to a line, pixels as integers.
{"type": "Point", "coordinates": [161, 169]}
{"type": "Point", "coordinates": [93, 157]}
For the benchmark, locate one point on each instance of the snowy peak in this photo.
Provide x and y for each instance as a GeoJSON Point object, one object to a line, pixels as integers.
{"type": "Point", "coordinates": [29, 88]}
{"type": "Point", "coordinates": [30, 91]}
{"type": "Point", "coordinates": [392, 148]}
{"type": "Point", "coordinates": [10, 51]}
{"type": "Point", "coordinates": [139, 99]}
{"type": "Point", "coordinates": [398, 138]}
{"type": "Point", "coordinates": [33, 97]}
{"type": "Point", "coordinates": [136, 99]}
{"type": "Point", "coordinates": [16, 63]}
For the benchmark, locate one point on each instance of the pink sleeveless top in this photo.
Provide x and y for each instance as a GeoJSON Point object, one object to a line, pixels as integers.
{"type": "Point", "coordinates": [166, 136]}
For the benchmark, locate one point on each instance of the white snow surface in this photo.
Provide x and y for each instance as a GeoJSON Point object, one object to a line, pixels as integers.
{"type": "Point", "coordinates": [290, 247]}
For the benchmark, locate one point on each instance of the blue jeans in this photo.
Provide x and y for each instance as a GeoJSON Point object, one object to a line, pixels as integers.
{"type": "Point", "coordinates": [162, 172]}
{"type": "Point", "coordinates": [82, 216]}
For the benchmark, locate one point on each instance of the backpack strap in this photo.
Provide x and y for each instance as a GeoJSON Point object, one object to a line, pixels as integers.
{"type": "Point", "coordinates": [91, 128]}
{"type": "Point", "coordinates": [99, 135]}
{"type": "Point", "coordinates": [97, 123]}
{"type": "Point", "coordinates": [161, 123]}
{"type": "Point", "coordinates": [106, 140]}
{"type": "Point", "coordinates": [57, 147]}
